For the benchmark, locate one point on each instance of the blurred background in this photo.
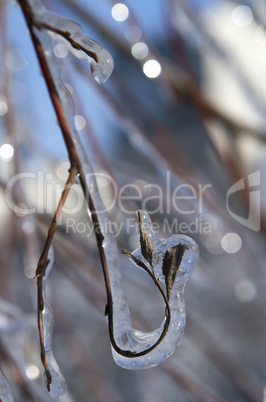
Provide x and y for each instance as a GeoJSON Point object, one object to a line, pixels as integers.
{"type": "Point", "coordinates": [177, 130]}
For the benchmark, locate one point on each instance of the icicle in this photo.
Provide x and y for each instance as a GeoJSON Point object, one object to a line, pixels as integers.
{"type": "Point", "coordinates": [71, 34]}
{"type": "Point", "coordinates": [58, 385]}
{"type": "Point", "coordinates": [5, 391]}
{"type": "Point", "coordinates": [102, 69]}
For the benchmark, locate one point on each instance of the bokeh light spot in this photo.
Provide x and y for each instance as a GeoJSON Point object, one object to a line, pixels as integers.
{"type": "Point", "coordinates": [120, 12]}
{"type": "Point", "coordinates": [245, 290]}
{"type": "Point", "coordinates": [28, 227]}
{"type": "Point", "coordinates": [32, 372]}
{"type": "Point", "coordinates": [231, 243]}
{"type": "Point", "coordinates": [140, 50]}
{"type": "Point", "coordinates": [60, 50]}
{"type": "Point", "coordinates": [152, 68]}
{"type": "Point", "coordinates": [6, 152]}
{"type": "Point", "coordinates": [242, 16]}
{"type": "Point", "coordinates": [133, 33]}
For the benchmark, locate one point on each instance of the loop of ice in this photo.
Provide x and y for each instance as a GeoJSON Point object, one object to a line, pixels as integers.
{"type": "Point", "coordinates": [138, 341]}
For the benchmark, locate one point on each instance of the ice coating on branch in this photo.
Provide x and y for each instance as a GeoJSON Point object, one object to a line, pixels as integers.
{"type": "Point", "coordinates": [71, 34]}
{"type": "Point", "coordinates": [5, 391]}
{"type": "Point", "coordinates": [58, 386]}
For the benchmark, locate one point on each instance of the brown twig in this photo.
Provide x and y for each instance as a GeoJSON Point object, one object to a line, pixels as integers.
{"type": "Point", "coordinates": [67, 36]}
{"type": "Point", "coordinates": [42, 265]}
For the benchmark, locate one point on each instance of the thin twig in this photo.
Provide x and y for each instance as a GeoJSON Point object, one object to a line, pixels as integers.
{"type": "Point", "coordinates": [67, 36]}
{"type": "Point", "coordinates": [42, 265]}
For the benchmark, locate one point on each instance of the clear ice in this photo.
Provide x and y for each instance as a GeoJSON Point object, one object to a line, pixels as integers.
{"type": "Point", "coordinates": [58, 386]}
{"type": "Point", "coordinates": [71, 34]}
{"type": "Point", "coordinates": [5, 391]}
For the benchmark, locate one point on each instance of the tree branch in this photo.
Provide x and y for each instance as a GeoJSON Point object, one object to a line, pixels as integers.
{"type": "Point", "coordinates": [42, 265]}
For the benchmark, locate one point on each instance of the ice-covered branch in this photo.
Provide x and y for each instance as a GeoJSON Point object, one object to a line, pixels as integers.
{"type": "Point", "coordinates": [54, 379]}
{"type": "Point", "coordinates": [168, 262]}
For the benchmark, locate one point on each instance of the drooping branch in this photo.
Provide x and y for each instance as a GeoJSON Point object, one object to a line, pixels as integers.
{"type": "Point", "coordinates": [75, 161]}
{"type": "Point", "coordinates": [131, 349]}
